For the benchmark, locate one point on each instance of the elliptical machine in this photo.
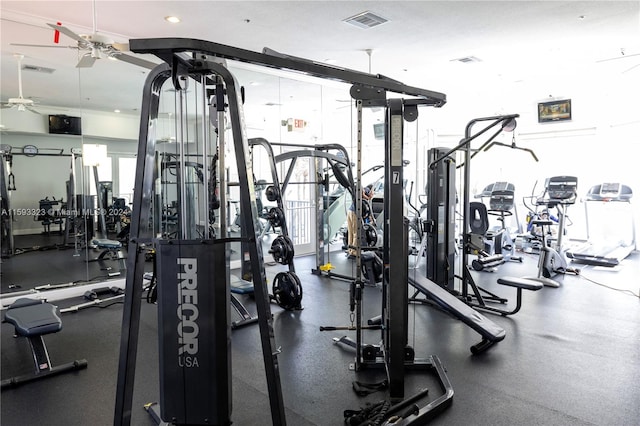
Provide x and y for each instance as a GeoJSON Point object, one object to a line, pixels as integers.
{"type": "Point", "coordinates": [560, 192]}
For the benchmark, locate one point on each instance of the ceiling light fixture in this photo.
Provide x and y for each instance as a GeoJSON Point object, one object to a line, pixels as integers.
{"type": "Point", "coordinates": [172, 19]}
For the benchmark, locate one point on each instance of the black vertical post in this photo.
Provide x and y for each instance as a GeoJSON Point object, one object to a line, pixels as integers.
{"type": "Point", "coordinates": [396, 251]}
{"type": "Point", "coordinates": [135, 259]}
{"type": "Point", "coordinates": [250, 223]}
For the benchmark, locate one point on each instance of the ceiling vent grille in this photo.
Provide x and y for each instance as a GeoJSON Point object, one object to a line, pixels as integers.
{"type": "Point", "coordinates": [366, 20]}
{"type": "Point", "coordinates": [467, 59]}
{"type": "Point", "coordinates": [34, 68]}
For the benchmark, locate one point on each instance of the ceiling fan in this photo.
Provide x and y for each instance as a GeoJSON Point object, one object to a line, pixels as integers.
{"type": "Point", "coordinates": [20, 103]}
{"type": "Point", "coordinates": [623, 55]}
{"type": "Point", "coordinates": [95, 46]}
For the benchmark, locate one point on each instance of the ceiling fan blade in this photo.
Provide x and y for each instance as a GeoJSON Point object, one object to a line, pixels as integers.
{"type": "Point", "coordinates": [633, 67]}
{"type": "Point", "coordinates": [86, 61]}
{"type": "Point", "coordinates": [33, 110]}
{"type": "Point", "coordinates": [135, 61]}
{"type": "Point", "coordinates": [123, 47]}
{"type": "Point", "coordinates": [43, 45]}
{"type": "Point", "coordinates": [66, 31]}
{"type": "Point", "coordinates": [618, 57]}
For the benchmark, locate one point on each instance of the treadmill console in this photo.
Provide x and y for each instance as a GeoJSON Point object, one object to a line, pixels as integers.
{"type": "Point", "coordinates": [609, 191]}
{"type": "Point", "coordinates": [561, 190]}
{"type": "Point", "coordinates": [501, 200]}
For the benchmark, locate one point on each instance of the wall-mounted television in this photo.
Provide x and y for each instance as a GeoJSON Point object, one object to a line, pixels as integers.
{"type": "Point", "coordinates": [554, 111]}
{"type": "Point", "coordinates": [65, 125]}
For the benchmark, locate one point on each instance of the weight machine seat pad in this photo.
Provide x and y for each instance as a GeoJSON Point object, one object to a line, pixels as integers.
{"type": "Point", "coordinates": [33, 318]}
{"type": "Point", "coordinates": [104, 243]}
{"type": "Point", "coordinates": [524, 283]}
{"type": "Point", "coordinates": [542, 222]}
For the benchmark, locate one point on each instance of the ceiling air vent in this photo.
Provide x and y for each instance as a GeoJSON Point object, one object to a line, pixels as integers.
{"type": "Point", "coordinates": [466, 59]}
{"type": "Point", "coordinates": [38, 69]}
{"type": "Point", "coordinates": [366, 20]}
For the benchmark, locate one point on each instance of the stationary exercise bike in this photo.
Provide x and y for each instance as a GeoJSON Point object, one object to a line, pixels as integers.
{"type": "Point", "coordinates": [560, 192]}
{"type": "Point", "coordinates": [493, 246]}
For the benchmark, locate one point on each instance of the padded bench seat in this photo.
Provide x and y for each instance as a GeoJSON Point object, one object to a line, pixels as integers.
{"type": "Point", "coordinates": [104, 243]}
{"type": "Point", "coordinates": [31, 317]}
{"type": "Point", "coordinates": [110, 248]}
{"type": "Point", "coordinates": [524, 283]}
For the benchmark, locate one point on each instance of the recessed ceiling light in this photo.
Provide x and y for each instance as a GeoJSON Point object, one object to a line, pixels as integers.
{"type": "Point", "coordinates": [116, 110]}
{"type": "Point", "coordinates": [172, 19]}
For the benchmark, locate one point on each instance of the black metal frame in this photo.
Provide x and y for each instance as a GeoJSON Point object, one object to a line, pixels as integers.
{"type": "Point", "coordinates": [393, 354]}
{"type": "Point", "coordinates": [186, 59]}
{"type": "Point", "coordinates": [140, 239]}
{"type": "Point", "coordinates": [168, 49]}
{"type": "Point", "coordinates": [476, 300]}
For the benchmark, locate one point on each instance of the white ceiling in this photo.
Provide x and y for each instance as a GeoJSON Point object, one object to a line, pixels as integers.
{"type": "Point", "coordinates": [535, 43]}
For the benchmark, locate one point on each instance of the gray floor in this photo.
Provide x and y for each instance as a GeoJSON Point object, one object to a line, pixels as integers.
{"type": "Point", "coordinates": [571, 357]}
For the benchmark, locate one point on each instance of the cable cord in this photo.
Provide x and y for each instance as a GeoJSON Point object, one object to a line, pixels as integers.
{"type": "Point", "coordinates": [621, 290]}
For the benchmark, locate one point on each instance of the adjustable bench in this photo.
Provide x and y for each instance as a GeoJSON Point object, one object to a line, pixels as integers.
{"type": "Point", "coordinates": [33, 319]}
{"type": "Point", "coordinates": [240, 286]}
{"type": "Point", "coordinates": [111, 249]}
{"type": "Point", "coordinates": [491, 332]}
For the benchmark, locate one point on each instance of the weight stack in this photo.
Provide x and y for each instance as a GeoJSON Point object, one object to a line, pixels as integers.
{"type": "Point", "coordinates": [441, 196]}
{"type": "Point", "coordinates": [194, 332]}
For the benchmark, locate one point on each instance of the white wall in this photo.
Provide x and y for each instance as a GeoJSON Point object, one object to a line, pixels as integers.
{"type": "Point", "coordinates": [596, 146]}
{"type": "Point", "coordinates": [45, 175]}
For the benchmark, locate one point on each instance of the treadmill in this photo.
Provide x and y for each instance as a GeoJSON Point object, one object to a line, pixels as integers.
{"type": "Point", "coordinates": [607, 253]}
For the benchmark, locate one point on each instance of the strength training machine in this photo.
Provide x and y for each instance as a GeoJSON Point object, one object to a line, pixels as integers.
{"type": "Point", "coordinates": [393, 354]}
{"type": "Point", "coordinates": [440, 266]}
{"type": "Point", "coordinates": [193, 270]}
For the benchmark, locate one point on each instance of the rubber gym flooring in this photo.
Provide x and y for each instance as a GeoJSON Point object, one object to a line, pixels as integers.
{"type": "Point", "coordinates": [571, 356]}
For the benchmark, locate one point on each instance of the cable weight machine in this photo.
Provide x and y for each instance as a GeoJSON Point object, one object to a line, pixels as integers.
{"type": "Point", "coordinates": [441, 219]}
{"type": "Point", "coordinates": [393, 354]}
{"type": "Point", "coordinates": [193, 269]}
{"type": "Point", "coordinates": [190, 60]}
